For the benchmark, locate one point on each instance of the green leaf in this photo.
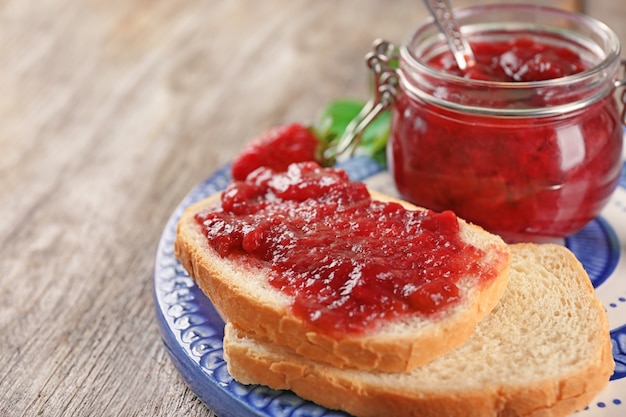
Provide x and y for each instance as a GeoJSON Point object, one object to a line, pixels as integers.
{"type": "Point", "coordinates": [336, 117]}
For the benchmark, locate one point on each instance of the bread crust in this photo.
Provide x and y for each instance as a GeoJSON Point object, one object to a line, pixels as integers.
{"type": "Point", "coordinates": [557, 398]}
{"type": "Point", "coordinates": [369, 394]}
{"type": "Point", "coordinates": [266, 314]}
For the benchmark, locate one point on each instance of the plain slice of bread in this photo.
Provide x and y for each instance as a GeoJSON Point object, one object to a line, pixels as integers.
{"type": "Point", "coordinates": [244, 297]}
{"type": "Point", "coordinates": [544, 351]}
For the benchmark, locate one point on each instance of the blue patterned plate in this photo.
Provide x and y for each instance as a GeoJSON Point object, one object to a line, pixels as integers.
{"type": "Point", "coordinates": [193, 331]}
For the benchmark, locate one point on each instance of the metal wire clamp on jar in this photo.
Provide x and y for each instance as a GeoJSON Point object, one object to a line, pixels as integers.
{"type": "Point", "coordinates": [531, 161]}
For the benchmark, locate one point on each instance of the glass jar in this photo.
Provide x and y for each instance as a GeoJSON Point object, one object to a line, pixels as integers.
{"type": "Point", "coordinates": [531, 160]}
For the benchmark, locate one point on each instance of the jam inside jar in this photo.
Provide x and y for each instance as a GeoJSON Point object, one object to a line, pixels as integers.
{"type": "Point", "coordinates": [527, 144]}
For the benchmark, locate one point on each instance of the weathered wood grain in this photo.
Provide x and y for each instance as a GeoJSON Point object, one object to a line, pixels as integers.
{"type": "Point", "coordinates": [110, 112]}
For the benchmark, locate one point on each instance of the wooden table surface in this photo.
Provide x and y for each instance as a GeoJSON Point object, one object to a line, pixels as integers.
{"type": "Point", "coordinates": [110, 112]}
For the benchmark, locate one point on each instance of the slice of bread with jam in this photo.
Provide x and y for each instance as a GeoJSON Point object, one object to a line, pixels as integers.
{"type": "Point", "coordinates": [545, 350]}
{"type": "Point", "coordinates": [311, 261]}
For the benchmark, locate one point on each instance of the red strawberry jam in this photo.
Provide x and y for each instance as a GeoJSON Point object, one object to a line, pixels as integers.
{"type": "Point", "coordinates": [497, 153]}
{"type": "Point", "coordinates": [520, 59]}
{"type": "Point", "coordinates": [347, 260]}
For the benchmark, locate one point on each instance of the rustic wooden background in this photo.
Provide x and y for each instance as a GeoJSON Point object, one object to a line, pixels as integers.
{"type": "Point", "coordinates": [110, 112]}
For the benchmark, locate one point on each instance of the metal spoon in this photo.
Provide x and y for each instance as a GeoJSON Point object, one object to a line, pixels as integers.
{"type": "Point", "coordinates": [441, 10]}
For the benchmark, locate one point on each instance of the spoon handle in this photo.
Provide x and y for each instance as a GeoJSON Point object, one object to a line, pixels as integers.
{"type": "Point", "coordinates": [441, 10]}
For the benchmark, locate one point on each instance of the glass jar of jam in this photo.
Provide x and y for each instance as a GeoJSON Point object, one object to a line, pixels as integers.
{"type": "Point", "coordinates": [527, 142]}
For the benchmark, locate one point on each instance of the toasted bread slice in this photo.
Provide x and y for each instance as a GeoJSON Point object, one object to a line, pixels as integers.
{"type": "Point", "coordinates": [544, 351]}
{"type": "Point", "coordinates": [243, 296]}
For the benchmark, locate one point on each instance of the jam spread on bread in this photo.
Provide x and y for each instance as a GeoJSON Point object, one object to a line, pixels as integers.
{"type": "Point", "coordinates": [346, 259]}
